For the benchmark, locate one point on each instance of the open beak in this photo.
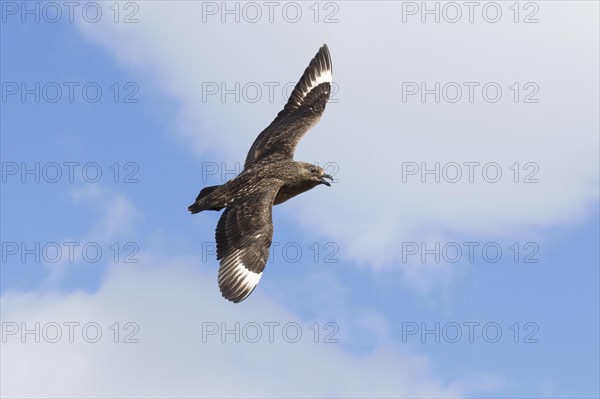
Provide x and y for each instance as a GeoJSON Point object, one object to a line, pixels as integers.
{"type": "Point", "coordinates": [326, 176]}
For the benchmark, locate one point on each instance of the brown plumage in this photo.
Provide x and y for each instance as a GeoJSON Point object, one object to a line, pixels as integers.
{"type": "Point", "coordinates": [270, 177]}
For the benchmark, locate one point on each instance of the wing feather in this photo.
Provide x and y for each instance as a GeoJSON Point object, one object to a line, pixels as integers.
{"type": "Point", "coordinates": [302, 111]}
{"type": "Point", "coordinates": [244, 233]}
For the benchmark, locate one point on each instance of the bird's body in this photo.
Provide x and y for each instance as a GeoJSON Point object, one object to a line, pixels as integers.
{"type": "Point", "coordinates": [270, 177]}
{"type": "Point", "coordinates": [286, 173]}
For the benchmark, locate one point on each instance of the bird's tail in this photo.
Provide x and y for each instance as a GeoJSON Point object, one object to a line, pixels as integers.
{"type": "Point", "coordinates": [201, 205]}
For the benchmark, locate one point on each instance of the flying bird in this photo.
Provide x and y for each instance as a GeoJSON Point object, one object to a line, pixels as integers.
{"type": "Point", "coordinates": [270, 177]}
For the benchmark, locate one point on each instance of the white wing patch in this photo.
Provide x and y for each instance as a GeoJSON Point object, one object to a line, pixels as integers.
{"type": "Point", "coordinates": [323, 76]}
{"type": "Point", "coordinates": [235, 280]}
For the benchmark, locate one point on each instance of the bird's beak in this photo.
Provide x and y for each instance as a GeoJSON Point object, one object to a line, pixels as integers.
{"type": "Point", "coordinates": [326, 176]}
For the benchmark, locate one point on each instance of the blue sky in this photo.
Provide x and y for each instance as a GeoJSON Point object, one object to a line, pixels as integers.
{"type": "Point", "coordinates": [363, 279]}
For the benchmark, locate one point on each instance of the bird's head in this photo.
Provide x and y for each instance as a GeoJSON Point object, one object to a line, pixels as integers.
{"type": "Point", "coordinates": [315, 174]}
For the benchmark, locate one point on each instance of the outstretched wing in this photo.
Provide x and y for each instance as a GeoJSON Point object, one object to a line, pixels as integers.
{"type": "Point", "coordinates": [243, 235]}
{"type": "Point", "coordinates": [302, 111]}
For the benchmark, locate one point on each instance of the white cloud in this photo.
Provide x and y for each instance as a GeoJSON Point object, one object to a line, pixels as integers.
{"type": "Point", "coordinates": [119, 213]}
{"type": "Point", "coordinates": [170, 299]}
{"type": "Point", "coordinates": [116, 223]}
{"type": "Point", "coordinates": [168, 304]}
{"type": "Point", "coordinates": [370, 132]}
